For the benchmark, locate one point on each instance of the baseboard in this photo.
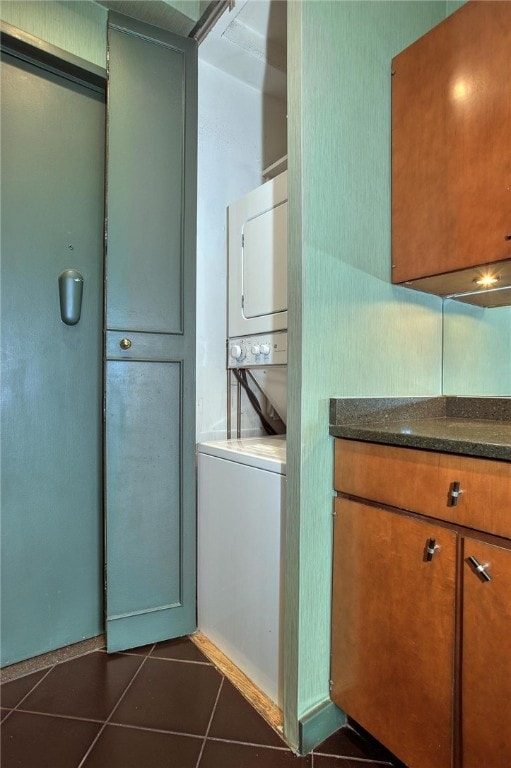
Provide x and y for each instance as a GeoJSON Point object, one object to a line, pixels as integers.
{"type": "Point", "coordinates": [36, 663]}
{"type": "Point", "coordinates": [259, 700]}
{"type": "Point", "coordinates": [318, 725]}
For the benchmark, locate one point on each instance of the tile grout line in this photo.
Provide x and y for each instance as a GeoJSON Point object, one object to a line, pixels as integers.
{"type": "Point", "coordinates": [283, 748]}
{"type": "Point", "coordinates": [105, 723]}
{"type": "Point", "coordinates": [14, 709]}
{"type": "Point", "coordinates": [57, 715]}
{"type": "Point", "coordinates": [181, 661]}
{"type": "Point", "coordinates": [146, 729]}
{"type": "Point", "coordinates": [210, 721]}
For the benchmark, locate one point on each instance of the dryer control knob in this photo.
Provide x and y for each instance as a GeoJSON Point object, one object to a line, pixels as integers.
{"type": "Point", "coordinates": [256, 349]}
{"type": "Point", "coordinates": [237, 352]}
{"type": "Point", "coordinates": [265, 349]}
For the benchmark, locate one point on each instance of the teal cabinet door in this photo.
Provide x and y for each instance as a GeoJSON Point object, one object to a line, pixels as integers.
{"type": "Point", "coordinates": [150, 336]}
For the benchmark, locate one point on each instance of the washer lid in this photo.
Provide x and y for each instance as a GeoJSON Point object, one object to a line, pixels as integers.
{"type": "Point", "coordinates": [267, 453]}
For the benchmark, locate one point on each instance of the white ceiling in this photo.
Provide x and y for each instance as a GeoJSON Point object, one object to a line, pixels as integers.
{"type": "Point", "coordinates": [249, 42]}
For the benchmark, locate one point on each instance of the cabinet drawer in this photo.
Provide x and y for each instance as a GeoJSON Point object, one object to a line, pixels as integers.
{"type": "Point", "coordinates": [422, 481]}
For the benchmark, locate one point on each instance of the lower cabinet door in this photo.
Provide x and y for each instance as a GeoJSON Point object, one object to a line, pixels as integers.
{"type": "Point", "coordinates": [393, 630]}
{"type": "Point", "coordinates": [149, 502]}
{"type": "Point", "coordinates": [486, 656]}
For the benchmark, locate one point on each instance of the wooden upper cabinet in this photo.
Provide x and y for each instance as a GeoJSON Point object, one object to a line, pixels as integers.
{"type": "Point", "coordinates": [451, 154]}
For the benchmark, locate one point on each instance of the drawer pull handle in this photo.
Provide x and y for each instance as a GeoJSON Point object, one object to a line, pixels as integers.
{"type": "Point", "coordinates": [454, 494]}
{"type": "Point", "coordinates": [480, 569]}
{"type": "Point", "coordinates": [125, 343]}
{"type": "Point", "coordinates": [431, 548]}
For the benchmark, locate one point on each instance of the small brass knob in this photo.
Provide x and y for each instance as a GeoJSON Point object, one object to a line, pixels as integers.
{"type": "Point", "coordinates": [125, 343]}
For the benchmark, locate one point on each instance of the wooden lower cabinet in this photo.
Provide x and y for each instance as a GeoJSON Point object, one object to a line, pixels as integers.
{"type": "Point", "coordinates": [486, 658]}
{"type": "Point", "coordinates": [393, 630]}
{"type": "Point", "coordinates": [421, 647]}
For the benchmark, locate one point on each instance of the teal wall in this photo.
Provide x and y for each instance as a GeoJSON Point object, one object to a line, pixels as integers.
{"type": "Point", "coordinates": [77, 27]}
{"type": "Point", "coordinates": [453, 5]}
{"type": "Point", "coordinates": [477, 350]}
{"type": "Point", "coordinates": [351, 333]}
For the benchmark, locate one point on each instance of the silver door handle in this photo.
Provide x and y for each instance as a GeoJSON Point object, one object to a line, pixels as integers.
{"type": "Point", "coordinates": [70, 295]}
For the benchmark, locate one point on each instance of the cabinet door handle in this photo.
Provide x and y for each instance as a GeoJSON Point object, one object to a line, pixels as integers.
{"type": "Point", "coordinates": [431, 548]}
{"type": "Point", "coordinates": [480, 569]}
{"type": "Point", "coordinates": [454, 494]}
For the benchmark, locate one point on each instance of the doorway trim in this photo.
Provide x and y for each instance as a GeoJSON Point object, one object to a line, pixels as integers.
{"type": "Point", "coordinates": [29, 48]}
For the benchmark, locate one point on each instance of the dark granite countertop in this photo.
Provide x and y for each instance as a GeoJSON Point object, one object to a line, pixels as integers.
{"type": "Point", "coordinates": [462, 425]}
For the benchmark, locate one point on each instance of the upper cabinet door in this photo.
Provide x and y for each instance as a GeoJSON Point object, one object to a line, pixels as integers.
{"type": "Point", "coordinates": [152, 107]}
{"type": "Point", "coordinates": [451, 154]}
{"type": "Point", "coordinates": [150, 339]}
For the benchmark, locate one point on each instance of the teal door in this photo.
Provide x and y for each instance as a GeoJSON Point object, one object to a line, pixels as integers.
{"type": "Point", "coordinates": [52, 149]}
{"type": "Point", "coordinates": [150, 336]}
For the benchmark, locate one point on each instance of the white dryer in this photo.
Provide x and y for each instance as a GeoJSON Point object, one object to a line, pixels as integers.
{"type": "Point", "coordinates": [257, 277]}
{"type": "Point", "coordinates": [241, 519]}
{"type": "Point", "coordinates": [257, 288]}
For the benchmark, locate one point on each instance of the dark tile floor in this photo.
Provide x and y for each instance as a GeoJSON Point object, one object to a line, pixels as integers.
{"type": "Point", "coordinates": [161, 706]}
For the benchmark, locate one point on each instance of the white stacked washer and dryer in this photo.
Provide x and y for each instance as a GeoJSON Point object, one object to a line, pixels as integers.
{"type": "Point", "coordinates": [242, 481]}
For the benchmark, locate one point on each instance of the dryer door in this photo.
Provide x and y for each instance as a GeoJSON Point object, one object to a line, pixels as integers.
{"type": "Point", "coordinates": [264, 258]}
{"type": "Point", "coordinates": [257, 285]}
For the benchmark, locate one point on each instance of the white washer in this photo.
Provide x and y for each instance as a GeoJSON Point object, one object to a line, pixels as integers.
{"type": "Point", "coordinates": [241, 511]}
